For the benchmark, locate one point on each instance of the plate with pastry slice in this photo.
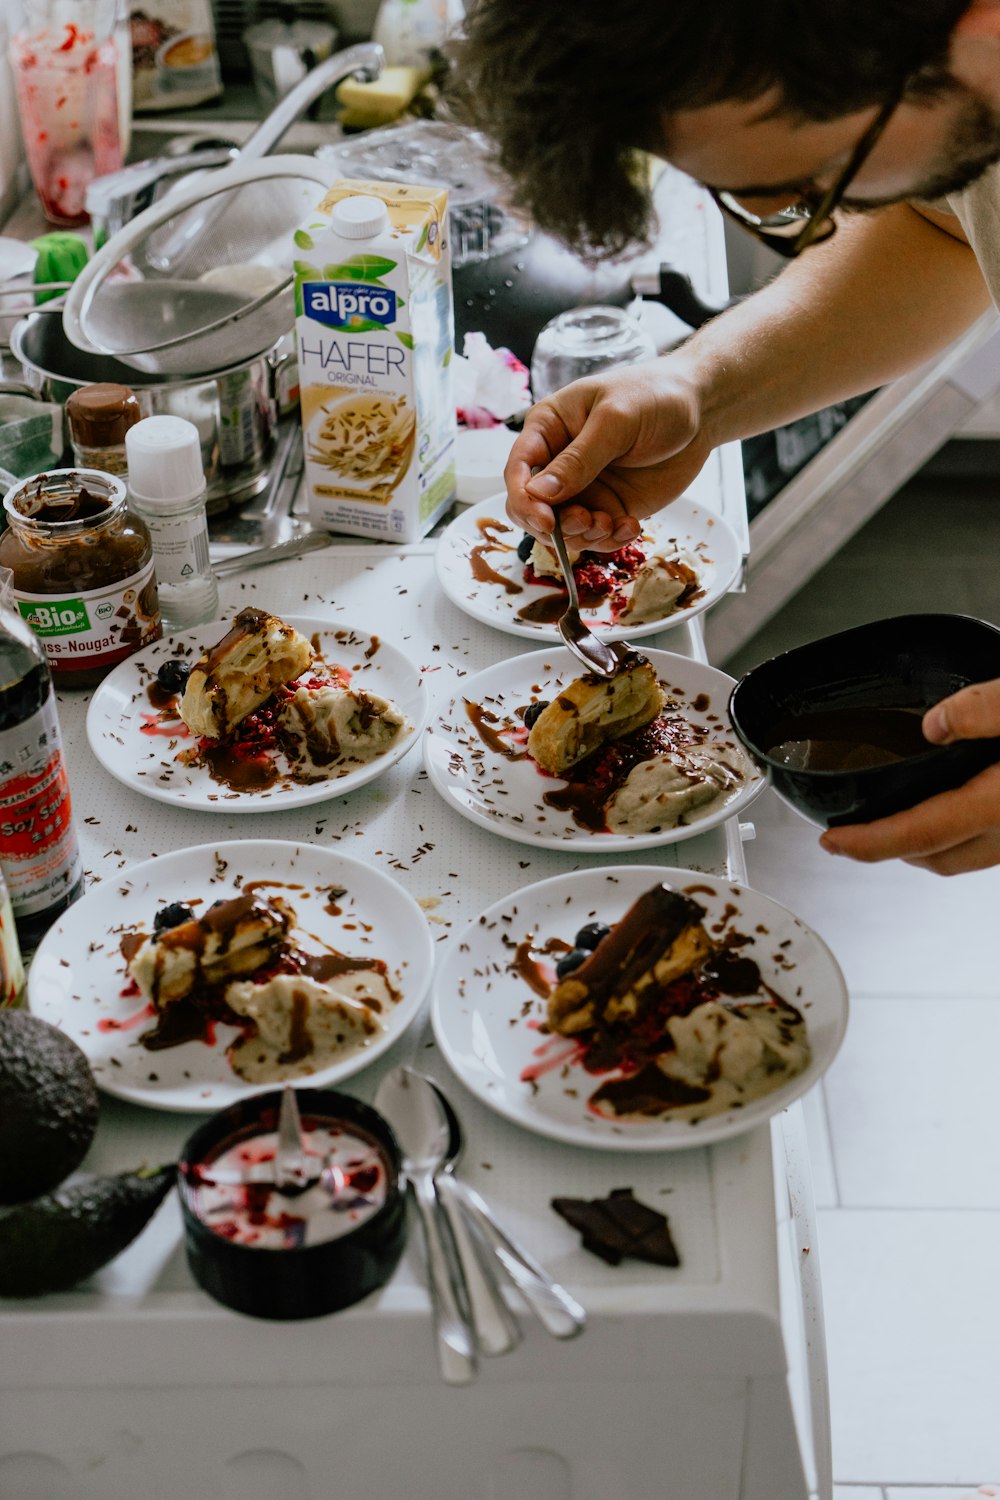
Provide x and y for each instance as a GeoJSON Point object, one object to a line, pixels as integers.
{"type": "Point", "coordinates": [541, 754]}
{"type": "Point", "coordinates": [639, 1008]}
{"type": "Point", "coordinates": [257, 712]}
{"type": "Point", "coordinates": [208, 974]}
{"type": "Point", "coordinates": [686, 559]}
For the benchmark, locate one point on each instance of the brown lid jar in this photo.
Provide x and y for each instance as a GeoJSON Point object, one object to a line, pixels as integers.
{"type": "Point", "coordinates": [83, 571]}
{"type": "Point", "coordinates": [99, 417]}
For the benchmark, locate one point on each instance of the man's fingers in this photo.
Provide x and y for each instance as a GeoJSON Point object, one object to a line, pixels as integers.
{"type": "Point", "coordinates": [981, 853]}
{"type": "Point", "coordinates": [595, 437]}
{"type": "Point", "coordinates": [973, 713]}
{"type": "Point", "coordinates": [932, 827]}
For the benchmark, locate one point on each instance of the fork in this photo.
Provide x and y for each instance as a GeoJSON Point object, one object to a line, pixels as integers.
{"type": "Point", "coordinates": [583, 643]}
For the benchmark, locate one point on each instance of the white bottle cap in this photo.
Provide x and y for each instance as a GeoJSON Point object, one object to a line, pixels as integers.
{"type": "Point", "coordinates": [360, 217]}
{"type": "Point", "coordinates": [164, 462]}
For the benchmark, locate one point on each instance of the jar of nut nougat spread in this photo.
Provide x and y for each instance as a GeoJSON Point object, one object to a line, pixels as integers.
{"type": "Point", "coordinates": [83, 571]}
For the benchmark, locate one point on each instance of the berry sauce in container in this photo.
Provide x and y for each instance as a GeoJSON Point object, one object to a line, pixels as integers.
{"type": "Point", "coordinates": [300, 1251]}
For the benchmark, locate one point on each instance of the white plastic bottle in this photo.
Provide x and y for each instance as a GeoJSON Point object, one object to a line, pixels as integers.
{"type": "Point", "coordinates": [167, 489]}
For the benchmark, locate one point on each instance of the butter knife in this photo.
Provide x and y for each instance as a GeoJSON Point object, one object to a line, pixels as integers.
{"type": "Point", "coordinates": [312, 541]}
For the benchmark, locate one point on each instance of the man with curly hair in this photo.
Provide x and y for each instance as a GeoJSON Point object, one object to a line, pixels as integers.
{"type": "Point", "coordinates": [861, 139]}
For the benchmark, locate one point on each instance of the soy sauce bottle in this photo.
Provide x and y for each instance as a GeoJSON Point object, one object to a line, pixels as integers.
{"type": "Point", "coordinates": [39, 853]}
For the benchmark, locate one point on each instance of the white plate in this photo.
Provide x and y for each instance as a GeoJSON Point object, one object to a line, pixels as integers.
{"type": "Point", "coordinates": [505, 796]}
{"type": "Point", "coordinates": [682, 525]}
{"type": "Point", "coordinates": [482, 1026]}
{"type": "Point", "coordinates": [78, 973]}
{"type": "Point", "coordinates": [120, 708]}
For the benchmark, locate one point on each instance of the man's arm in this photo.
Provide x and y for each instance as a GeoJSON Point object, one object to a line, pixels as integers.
{"type": "Point", "coordinates": [888, 291]}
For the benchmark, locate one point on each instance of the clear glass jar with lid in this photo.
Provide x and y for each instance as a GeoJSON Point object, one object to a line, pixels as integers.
{"type": "Point", "coordinates": [83, 571]}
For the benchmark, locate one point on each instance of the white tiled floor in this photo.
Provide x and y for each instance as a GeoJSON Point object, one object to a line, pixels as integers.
{"type": "Point", "coordinates": [905, 1130]}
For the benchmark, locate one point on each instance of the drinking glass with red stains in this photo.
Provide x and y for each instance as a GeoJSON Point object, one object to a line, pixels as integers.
{"type": "Point", "coordinates": [65, 63]}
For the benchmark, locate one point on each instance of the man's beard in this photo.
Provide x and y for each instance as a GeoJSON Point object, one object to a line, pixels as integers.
{"type": "Point", "coordinates": [972, 148]}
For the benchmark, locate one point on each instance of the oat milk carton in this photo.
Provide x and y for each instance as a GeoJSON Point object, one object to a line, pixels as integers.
{"type": "Point", "coordinates": [375, 334]}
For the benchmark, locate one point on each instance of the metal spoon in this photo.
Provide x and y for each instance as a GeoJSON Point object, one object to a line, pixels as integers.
{"type": "Point", "coordinates": [558, 1312]}
{"type": "Point", "coordinates": [423, 1137]}
{"type": "Point", "coordinates": [584, 644]}
{"type": "Point", "coordinates": [495, 1327]}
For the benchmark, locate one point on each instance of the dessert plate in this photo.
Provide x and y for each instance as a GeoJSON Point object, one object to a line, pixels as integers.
{"type": "Point", "coordinates": [141, 751]}
{"type": "Point", "coordinates": [683, 526]}
{"type": "Point", "coordinates": [486, 1017]}
{"type": "Point", "coordinates": [505, 795]}
{"type": "Point", "coordinates": [78, 972]}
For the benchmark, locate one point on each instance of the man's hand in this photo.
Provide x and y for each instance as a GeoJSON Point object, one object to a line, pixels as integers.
{"type": "Point", "coordinates": [610, 450]}
{"type": "Point", "coordinates": [952, 833]}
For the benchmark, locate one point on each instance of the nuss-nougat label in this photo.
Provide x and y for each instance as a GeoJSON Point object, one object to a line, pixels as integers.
{"type": "Point", "coordinates": [96, 627]}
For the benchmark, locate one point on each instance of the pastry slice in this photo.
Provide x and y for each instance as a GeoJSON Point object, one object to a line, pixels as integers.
{"type": "Point", "coordinates": [593, 710]}
{"type": "Point", "coordinates": [258, 655]}
{"type": "Point", "coordinates": [659, 939]}
{"type": "Point", "coordinates": [232, 939]}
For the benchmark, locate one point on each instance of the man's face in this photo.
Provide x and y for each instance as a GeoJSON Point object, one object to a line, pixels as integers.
{"type": "Point", "coordinates": [769, 161]}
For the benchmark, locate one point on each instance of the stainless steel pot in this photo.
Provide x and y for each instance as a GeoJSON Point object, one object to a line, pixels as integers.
{"type": "Point", "coordinates": [235, 410]}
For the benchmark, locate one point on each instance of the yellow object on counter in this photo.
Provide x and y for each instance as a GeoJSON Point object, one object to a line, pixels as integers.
{"type": "Point", "coordinates": [368, 104]}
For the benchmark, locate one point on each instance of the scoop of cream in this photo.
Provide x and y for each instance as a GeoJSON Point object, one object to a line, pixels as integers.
{"type": "Point", "coordinates": [658, 585]}
{"type": "Point", "coordinates": [740, 1052]}
{"type": "Point", "coordinates": [663, 792]}
{"type": "Point", "coordinates": [334, 724]}
{"type": "Point", "coordinates": [302, 1026]}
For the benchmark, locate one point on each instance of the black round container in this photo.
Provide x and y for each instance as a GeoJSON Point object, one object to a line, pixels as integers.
{"type": "Point", "coordinates": [904, 662]}
{"type": "Point", "coordinates": [312, 1280]}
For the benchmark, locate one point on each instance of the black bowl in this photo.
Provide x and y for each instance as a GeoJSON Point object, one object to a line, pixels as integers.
{"type": "Point", "coordinates": [307, 1281]}
{"type": "Point", "coordinates": [906, 663]}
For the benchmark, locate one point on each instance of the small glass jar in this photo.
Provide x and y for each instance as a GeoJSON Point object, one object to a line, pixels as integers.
{"type": "Point", "coordinates": [583, 341]}
{"type": "Point", "coordinates": [83, 572]}
{"type": "Point", "coordinates": [99, 417]}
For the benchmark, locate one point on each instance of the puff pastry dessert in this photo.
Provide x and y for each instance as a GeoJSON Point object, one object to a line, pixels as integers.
{"type": "Point", "coordinates": [592, 710]}
{"type": "Point", "coordinates": [258, 655]}
{"type": "Point", "coordinates": [231, 939]}
{"type": "Point", "coordinates": [660, 938]}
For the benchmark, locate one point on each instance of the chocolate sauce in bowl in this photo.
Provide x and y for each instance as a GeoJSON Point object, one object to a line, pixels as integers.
{"type": "Point", "coordinates": [848, 739]}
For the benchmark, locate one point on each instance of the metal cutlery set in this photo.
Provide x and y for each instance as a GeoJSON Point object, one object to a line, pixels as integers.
{"type": "Point", "coordinates": [466, 1248]}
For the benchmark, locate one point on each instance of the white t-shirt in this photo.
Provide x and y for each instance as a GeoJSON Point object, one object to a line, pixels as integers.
{"type": "Point", "coordinates": [978, 211]}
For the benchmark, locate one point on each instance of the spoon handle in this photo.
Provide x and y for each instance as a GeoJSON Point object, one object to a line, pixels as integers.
{"type": "Point", "coordinates": [558, 1312]}
{"type": "Point", "coordinates": [494, 1325]}
{"type": "Point", "coordinates": [455, 1347]}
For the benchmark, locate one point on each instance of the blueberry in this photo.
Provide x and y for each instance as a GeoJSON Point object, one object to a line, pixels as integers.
{"type": "Point", "coordinates": [173, 676]}
{"type": "Point", "coordinates": [172, 916]}
{"type": "Point", "coordinates": [594, 933]}
{"type": "Point", "coordinates": [525, 545]}
{"type": "Point", "coordinates": [570, 961]}
{"type": "Point", "coordinates": [531, 713]}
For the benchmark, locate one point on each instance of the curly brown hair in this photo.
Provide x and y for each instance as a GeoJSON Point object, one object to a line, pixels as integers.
{"type": "Point", "coordinates": [568, 92]}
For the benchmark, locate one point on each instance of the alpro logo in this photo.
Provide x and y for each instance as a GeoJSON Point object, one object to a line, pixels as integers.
{"type": "Point", "coordinates": [348, 304]}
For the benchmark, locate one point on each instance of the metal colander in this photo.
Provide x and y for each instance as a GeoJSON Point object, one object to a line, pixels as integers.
{"type": "Point", "coordinates": [204, 279]}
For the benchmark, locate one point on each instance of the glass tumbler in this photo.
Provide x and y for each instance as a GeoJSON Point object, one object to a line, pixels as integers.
{"type": "Point", "coordinates": [581, 342]}
{"type": "Point", "coordinates": [65, 61]}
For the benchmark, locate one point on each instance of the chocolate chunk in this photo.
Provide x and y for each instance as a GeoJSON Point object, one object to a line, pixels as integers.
{"type": "Point", "coordinates": [620, 1225]}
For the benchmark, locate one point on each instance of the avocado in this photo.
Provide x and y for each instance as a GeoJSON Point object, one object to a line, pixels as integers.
{"type": "Point", "coordinates": [48, 1106]}
{"type": "Point", "coordinates": [55, 1241]}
